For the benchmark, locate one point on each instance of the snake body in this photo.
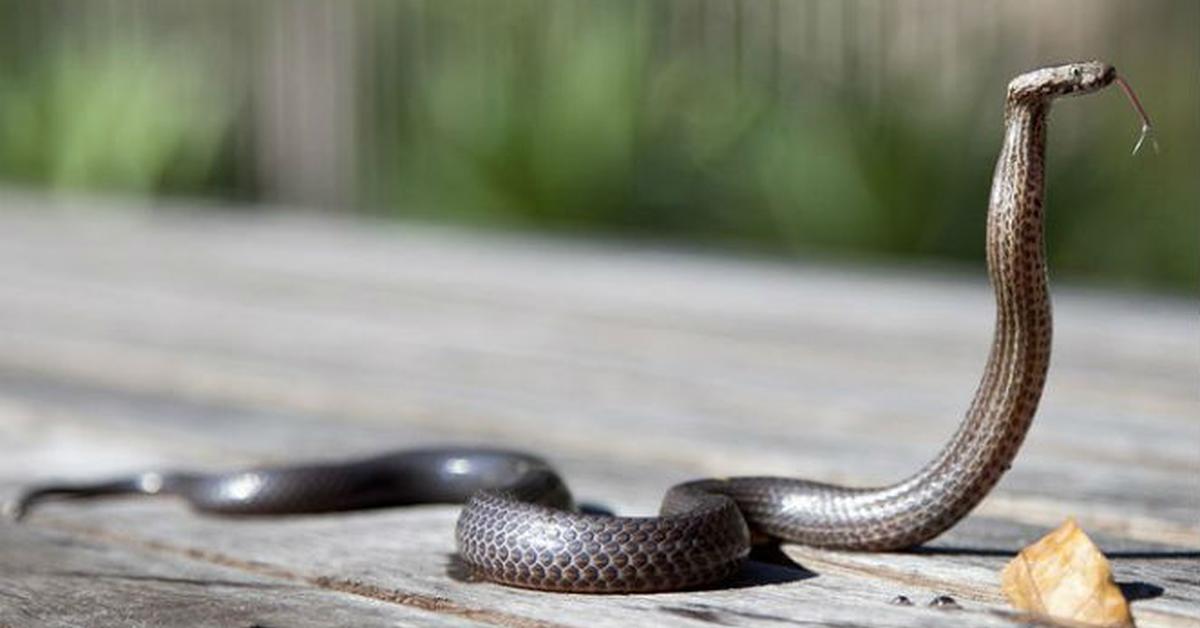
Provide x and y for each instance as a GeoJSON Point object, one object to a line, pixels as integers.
{"type": "Point", "coordinates": [519, 527]}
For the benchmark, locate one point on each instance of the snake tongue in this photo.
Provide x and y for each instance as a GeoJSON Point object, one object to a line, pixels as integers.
{"type": "Point", "coordinates": [1147, 128]}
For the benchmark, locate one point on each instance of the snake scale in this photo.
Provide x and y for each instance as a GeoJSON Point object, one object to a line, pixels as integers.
{"type": "Point", "coordinates": [519, 526]}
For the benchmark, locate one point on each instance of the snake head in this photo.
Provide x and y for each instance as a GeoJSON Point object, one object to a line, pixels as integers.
{"type": "Point", "coordinates": [1064, 80]}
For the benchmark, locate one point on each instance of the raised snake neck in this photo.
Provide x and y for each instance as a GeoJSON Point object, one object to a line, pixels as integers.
{"type": "Point", "coordinates": [519, 528]}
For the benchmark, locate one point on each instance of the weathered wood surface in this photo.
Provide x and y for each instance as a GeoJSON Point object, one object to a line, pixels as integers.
{"type": "Point", "coordinates": [170, 338]}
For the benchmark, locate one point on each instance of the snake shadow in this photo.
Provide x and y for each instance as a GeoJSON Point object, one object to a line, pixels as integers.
{"type": "Point", "coordinates": [767, 565]}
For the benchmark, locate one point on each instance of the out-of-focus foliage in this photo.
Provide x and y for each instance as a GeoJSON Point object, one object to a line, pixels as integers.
{"type": "Point", "coordinates": [579, 124]}
{"type": "Point", "coordinates": [753, 126]}
{"type": "Point", "coordinates": [129, 117]}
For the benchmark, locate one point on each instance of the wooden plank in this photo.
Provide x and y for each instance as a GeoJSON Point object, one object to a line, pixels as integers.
{"type": "Point", "coordinates": [208, 342]}
{"type": "Point", "coordinates": [405, 555]}
{"type": "Point", "coordinates": [315, 338]}
{"type": "Point", "coordinates": [52, 578]}
{"type": "Point", "coordinates": [222, 434]}
{"type": "Point", "coordinates": [344, 551]}
{"type": "Point", "coordinates": [968, 561]}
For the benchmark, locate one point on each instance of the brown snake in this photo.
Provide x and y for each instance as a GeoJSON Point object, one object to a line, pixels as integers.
{"type": "Point", "coordinates": [519, 528]}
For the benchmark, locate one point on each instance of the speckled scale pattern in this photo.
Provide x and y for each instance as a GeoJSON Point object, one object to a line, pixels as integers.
{"type": "Point", "coordinates": [539, 547]}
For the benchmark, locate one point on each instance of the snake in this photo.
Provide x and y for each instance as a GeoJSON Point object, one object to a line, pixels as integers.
{"type": "Point", "coordinates": [520, 527]}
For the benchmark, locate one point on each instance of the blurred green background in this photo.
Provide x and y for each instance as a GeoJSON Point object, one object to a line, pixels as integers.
{"type": "Point", "coordinates": [863, 130]}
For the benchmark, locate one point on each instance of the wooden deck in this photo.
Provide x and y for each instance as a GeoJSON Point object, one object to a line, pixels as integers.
{"type": "Point", "coordinates": [133, 339]}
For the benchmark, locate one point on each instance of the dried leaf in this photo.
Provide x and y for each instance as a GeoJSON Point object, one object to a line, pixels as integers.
{"type": "Point", "coordinates": [1063, 575]}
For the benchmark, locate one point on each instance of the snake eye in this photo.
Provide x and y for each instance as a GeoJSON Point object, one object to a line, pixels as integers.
{"type": "Point", "coordinates": [1076, 72]}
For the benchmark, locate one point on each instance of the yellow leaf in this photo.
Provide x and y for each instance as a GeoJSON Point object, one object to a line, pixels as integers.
{"type": "Point", "coordinates": [1063, 575]}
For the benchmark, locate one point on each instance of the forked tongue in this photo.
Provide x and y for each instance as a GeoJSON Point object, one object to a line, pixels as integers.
{"type": "Point", "coordinates": [1147, 129]}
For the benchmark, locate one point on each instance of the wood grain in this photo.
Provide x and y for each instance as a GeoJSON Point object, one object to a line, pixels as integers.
{"type": "Point", "coordinates": [48, 577]}
{"type": "Point", "coordinates": [176, 339]}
